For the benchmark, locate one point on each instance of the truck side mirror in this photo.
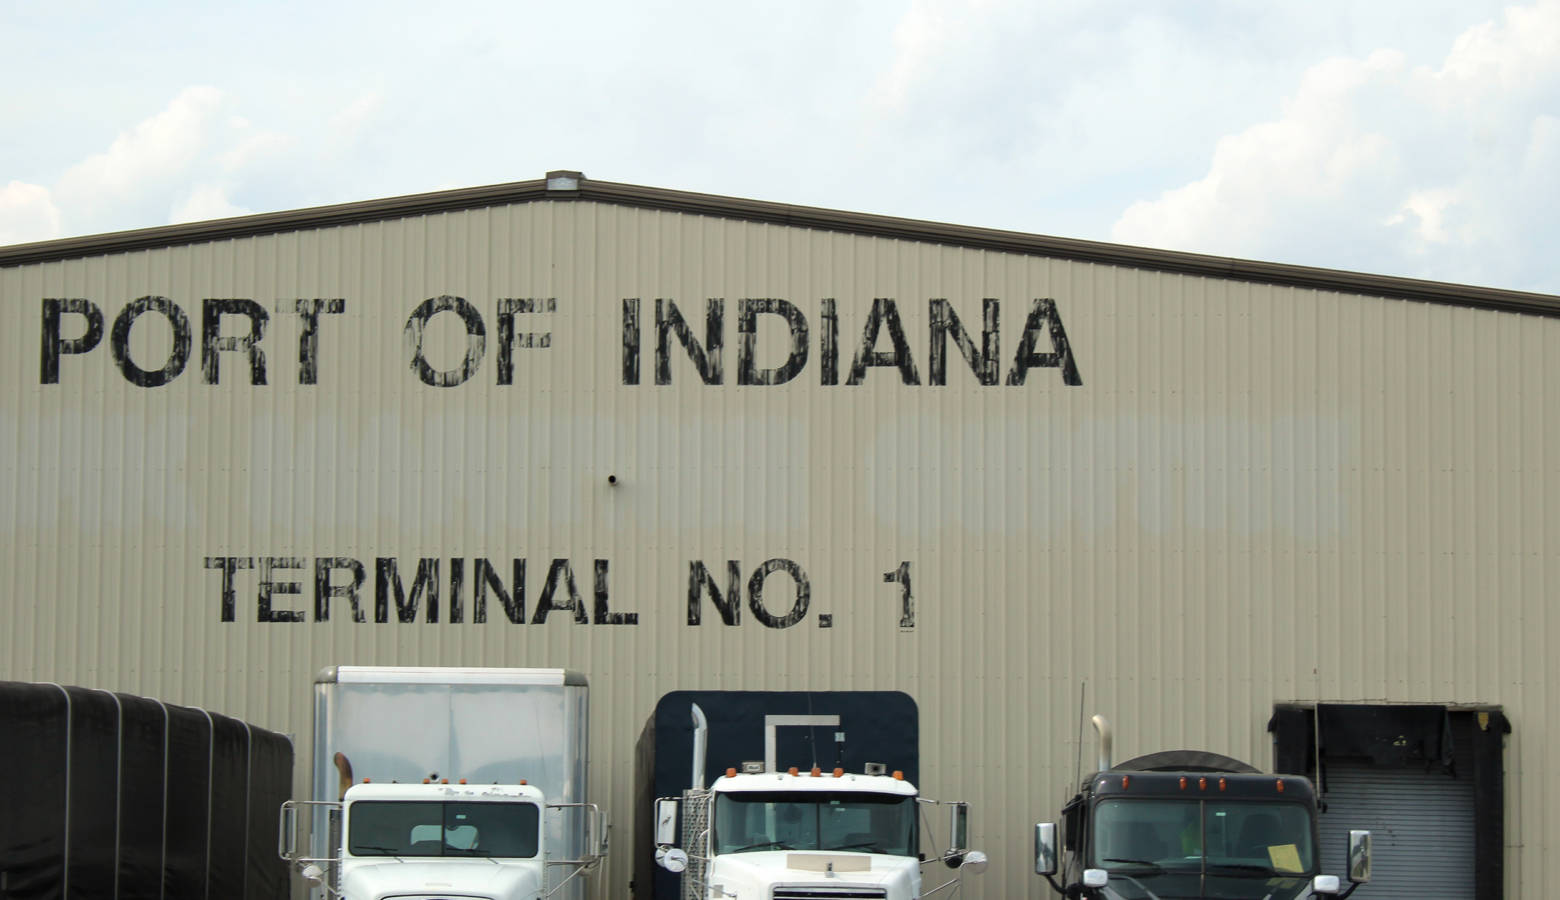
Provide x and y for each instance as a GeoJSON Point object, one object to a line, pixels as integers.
{"type": "Point", "coordinates": [1325, 885]}
{"type": "Point", "coordinates": [666, 822]}
{"type": "Point", "coordinates": [673, 860]}
{"type": "Point", "coordinates": [1359, 856]}
{"type": "Point", "coordinates": [959, 828]}
{"type": "Point", "coordinates": [1095, 878]}
{"type": "Point", "coordinates": [287, 832]}
{"type": "Point", "coordinates": [974, 863]}
{"type": "Point", "coordinates": [1045, 848]}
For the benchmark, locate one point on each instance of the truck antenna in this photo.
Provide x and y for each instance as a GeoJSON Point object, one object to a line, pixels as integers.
{"type": "Point", "coordinates": [1082, 686]}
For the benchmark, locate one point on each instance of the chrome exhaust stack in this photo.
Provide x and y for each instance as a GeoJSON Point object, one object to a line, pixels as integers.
{"type": "Point", "coordinates": [701, 728]}
{"type": "Point", "coordinates": [1103, 727]}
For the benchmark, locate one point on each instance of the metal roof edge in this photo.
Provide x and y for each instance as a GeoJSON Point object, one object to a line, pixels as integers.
{"type": "Point", "coordinates": [577, 187]}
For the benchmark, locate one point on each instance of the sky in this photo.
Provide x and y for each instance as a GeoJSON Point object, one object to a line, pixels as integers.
{"type": "Point", "coordinates": [1418, 138]}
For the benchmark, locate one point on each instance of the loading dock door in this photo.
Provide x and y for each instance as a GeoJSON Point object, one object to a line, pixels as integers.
{"type": "Point", "coordinates": [1421, 826]}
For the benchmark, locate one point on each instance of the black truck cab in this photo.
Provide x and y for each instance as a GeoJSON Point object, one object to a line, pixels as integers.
{"type": "Point", "coordinates": [1188, 824]}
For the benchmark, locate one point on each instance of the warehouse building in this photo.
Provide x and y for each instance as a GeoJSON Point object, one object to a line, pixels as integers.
{"type": "Point", "coordinates": [1305, 518]}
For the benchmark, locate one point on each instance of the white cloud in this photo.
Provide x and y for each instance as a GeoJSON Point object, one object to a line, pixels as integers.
{"type": "Point", "coordinates": [1378, 166]}
{"type": "Point", "coordinates": [144, 159]}
{"type": "Point", "coordinates": [27, 213]}
{"type": "Point", "coordinates": [205, 202]}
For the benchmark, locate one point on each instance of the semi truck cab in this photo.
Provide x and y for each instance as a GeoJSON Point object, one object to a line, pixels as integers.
{"type": "Point", "coordinates": [1190, 825]}
{"type": "Point", "coordinates": [485, 842]}
{"type": "Point", "coordinates": [763, 834]}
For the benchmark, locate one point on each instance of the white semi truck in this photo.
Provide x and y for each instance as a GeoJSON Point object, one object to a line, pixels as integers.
{"type": "Point", "coordinates": [447, 782]}
{"type": "Point", "coordinates": [759, 833]}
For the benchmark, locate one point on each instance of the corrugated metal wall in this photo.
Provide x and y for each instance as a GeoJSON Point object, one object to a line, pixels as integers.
{"type": "Point", "coordinates": [1257, 494]}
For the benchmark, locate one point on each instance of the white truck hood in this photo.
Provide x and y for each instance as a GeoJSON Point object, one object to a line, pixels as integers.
{"type": "Point", "coordinates": [452, 878]}
{"type": "Point", "coordinates": [750, 876]}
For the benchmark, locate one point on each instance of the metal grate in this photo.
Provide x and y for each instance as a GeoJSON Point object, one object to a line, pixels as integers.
{"type": "Point", "coordinates": [696, 840]}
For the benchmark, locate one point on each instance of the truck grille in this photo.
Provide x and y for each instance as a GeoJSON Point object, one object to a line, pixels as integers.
{"type": "Point", "coordinates": [829, 892]}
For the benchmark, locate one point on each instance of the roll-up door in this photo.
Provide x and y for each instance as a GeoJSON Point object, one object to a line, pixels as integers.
{"type": "Point", "coordinates": [1421, 826]}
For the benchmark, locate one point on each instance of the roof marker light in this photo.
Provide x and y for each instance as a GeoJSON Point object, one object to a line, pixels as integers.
{"type": "Point", "coordinates": [1126, 780]}
{"type": "Point", "coordinates": [1222, 784]}
{"type": "Point", "coordinates": [1183, 782]}
{"type": "Point", "coordinates": [731, 771]}
{"type": "Point", "coordinates": [463, 781]}
{"type": "Point", "coordinates": [816, 771]}
{"type": "Point", "coordinates": [444, 781]}
{"type": "Point", "coordinates": [1280, 785]}
{"type": "Point", "coordinates": [1202, 784]}
{"type": "Point", "coordinates": [898, 775]}
{"type": "Point", "coordinates": [791, 771]}
{"type": "Point", "coordinates": [425, 781]}
{"type": "Point", "coordinates": [838, 771]}
{"type": "Point", "coordinates": [523, 781]}
{"type": "Point", "coordinates": [366, 780]}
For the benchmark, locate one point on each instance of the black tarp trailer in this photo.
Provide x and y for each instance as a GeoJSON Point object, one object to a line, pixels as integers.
{"type": "Point", "coordinates": [108, 795]}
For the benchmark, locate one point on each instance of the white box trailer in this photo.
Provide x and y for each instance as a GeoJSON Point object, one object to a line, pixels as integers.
{"type": "Point", "coordinates": [456, 729]}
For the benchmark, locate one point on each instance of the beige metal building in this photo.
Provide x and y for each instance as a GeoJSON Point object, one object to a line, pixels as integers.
{"type": "Point", "coordinates": [1258, 509]}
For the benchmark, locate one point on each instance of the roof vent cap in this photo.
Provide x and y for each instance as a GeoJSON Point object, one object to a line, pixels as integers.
{"type": "Point", "coordinates": [564, 180]}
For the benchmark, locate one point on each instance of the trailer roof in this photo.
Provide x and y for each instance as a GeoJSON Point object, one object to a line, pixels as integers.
{"type": "Point", "coordinates": [569, 186]}
{"type": "Point", "coordinates": [446, 675]}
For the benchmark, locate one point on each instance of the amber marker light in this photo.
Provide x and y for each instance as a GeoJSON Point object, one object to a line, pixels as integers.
{"type": "Point", "coordinates": [1222, 784]}
{"type": "Point", "coordinates": [838, 771]}
{"type": "Point", "coordinates": [792, 771]}
{"type": "Point", "coordinates": [1183, 782]}
{"type": "Point", "coordinates": [816, 771]}
{"type": "Point", "coordinates": [1280, 785]}
{"type": "Point", "coordinates": [898, 775]}
{"type": "Point", "coordinates": [1202, 784]}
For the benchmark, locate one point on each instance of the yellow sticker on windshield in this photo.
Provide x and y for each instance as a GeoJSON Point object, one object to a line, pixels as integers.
{"type": "Point", "coordinates": [1285, 857]}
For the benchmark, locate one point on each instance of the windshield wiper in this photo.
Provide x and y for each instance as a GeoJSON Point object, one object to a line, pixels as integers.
{"type": "Point", "coordinates": [1153, 867]}
{"type": "Point", "coordinates": [1248, 867]}
{"type": "Point", "coordinates": [388, 851]}
{"type": "Point", "coordinates": [763, 845]}
{"type": "Point", "coordinates": [864, 846]}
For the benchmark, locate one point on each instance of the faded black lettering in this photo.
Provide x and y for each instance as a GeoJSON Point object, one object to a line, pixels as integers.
{"type": "Point", "coordinates": [560, 573]}
{"type": "Point", "coordinates": [906, 599]}
{"type": "Point", "coordinates": [178, 354]}
{"type": "Point", "coordinates": [705, 357]}
{"type": "Point", "coordinates": [631, 340]}
{"type": "Point", "coordinates": [387, 585]}
{"type": "Point", "coordinates": [604, 613]}
{"type": "Point", "coordinates": [756, 593]}
{"type": "Point", "coordinates": [270, 587]}
{"type": "Point", "coordinates": [309, 336]}
{"type": "Point", "coordinates": [728, 604]}
{"type": "Point", "coordinates": [986, 363]}
{"type": "Point", "coordinates": [213, 343]}
{"type": "Point", "coordinates": [829, 343]}
{"type": "Point", "coordinates": [54, 345]}
{"type": "Point", "coordinates": [476, 341]}
{"type": "Point", "coordinates": [507, 341]}
{"type": "Point", "coordinates": [229, 565]}
{"type": "Point", "coordinates": [487, 577]}
{"type": "Point", "coordinates": [325, 591]}
{"type": "Point", "coordinates": [457, 590]}
{"type": "Point", "coordinates": [884, 312]}
{"type": "Point", "coordinates": [1044, 315]}
{"type": "Point", "coordinates": [748, 311]}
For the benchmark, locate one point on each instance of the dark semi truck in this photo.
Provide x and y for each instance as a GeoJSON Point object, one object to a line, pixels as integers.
{"type": "Point", "coordinates": [1183, 824]}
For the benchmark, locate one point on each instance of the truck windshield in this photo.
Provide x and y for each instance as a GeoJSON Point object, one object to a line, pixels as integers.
{"type": "Point", "coordinates": [1240, 838]}
{"type": "Point", "coordinates": [434, 828]}
{"type": "Point", "coordinates": [815, 820]}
